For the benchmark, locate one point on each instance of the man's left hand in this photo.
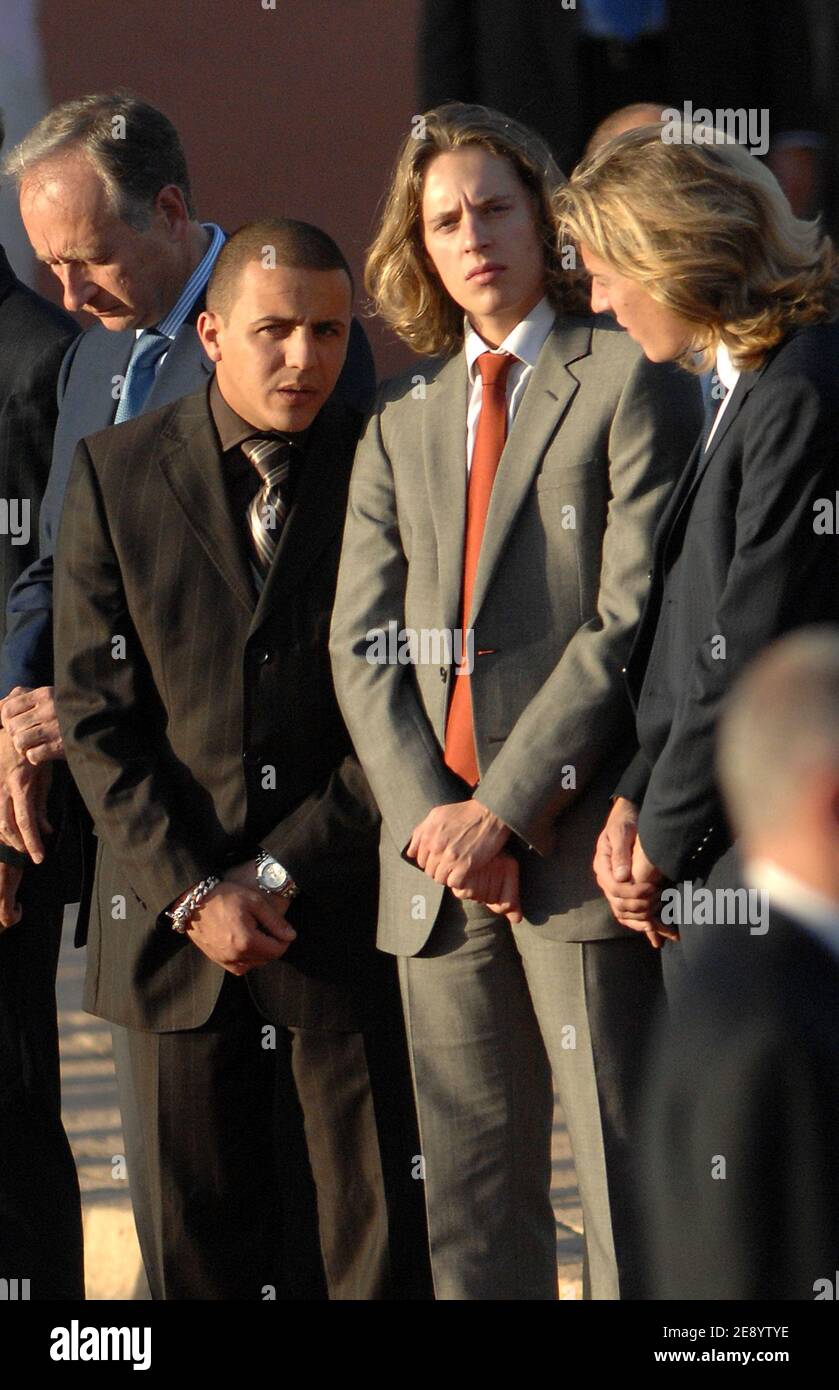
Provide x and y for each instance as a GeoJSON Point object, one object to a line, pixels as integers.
{"type": "Point", "coordinates": [455, 841]}
{"type": "Point", "coordinates": [30, 720]}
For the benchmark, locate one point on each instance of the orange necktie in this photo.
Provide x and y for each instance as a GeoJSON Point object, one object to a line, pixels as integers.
{"type": "Point", "coordinates": [491, 433]}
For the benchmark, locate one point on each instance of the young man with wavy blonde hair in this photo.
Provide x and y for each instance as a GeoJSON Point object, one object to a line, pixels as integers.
{"type": "Point", "coordinates": [505, 492]}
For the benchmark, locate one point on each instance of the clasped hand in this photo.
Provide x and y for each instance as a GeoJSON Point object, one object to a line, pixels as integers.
{"type": "Point", "coordinates": [629, 880]}
{"type": "Point", "coordinates": [240, 927]}
{"type": "Point", "coordinates": [462, 846]}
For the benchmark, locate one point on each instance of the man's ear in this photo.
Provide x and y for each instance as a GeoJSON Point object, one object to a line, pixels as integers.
{"type": "Point", "coordinates": [208, 327]}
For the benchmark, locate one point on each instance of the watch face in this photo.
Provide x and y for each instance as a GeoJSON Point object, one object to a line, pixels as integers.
{"type": "Point", "coordinates": [273, 876]}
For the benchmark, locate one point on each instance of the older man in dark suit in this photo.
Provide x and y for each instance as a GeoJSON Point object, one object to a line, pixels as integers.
{"type": "Point", "coordinates": [40, 1216]}
{"type": "Point", "coordinates": [197, 562]}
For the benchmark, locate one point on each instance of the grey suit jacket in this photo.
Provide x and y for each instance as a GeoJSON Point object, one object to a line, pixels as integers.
{"type": "Point", "coordinates": [598, 440]}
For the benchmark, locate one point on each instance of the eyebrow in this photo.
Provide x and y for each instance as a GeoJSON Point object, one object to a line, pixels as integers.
{"type": "Point", "coordinates": [86, 254]}
{"type": "Point", "coordinates": [479, 202]}
{"type": "Point", "coordinates": [293, 322]}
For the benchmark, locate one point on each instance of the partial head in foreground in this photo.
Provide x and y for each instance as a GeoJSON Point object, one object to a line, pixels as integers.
{"type": "Point", "coordinates": [277, 321]}
{"type": "Point", "coordinates": [778, 757]}
{"type": "Point", "coordinates": [468, 228]}
{"type": "Point", "coordinates": [691, 245]}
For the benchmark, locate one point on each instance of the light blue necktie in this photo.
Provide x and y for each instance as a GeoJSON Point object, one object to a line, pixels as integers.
{"type": "Point", "coordinates": [148, 349]}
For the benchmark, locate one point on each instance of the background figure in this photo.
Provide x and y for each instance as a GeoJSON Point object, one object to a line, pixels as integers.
{"type": "Point", "coordinates": [630, 117]}
{"type": "Point", "coordinates": [40, 1216]}
{"type": "Point", "coordinates": [741, 1143]}
{"type": "Point", "coordinates": [563, 70]}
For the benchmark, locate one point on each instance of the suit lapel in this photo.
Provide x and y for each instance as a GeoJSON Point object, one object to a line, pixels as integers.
{"type": "Point", "coordinates": [319, 506]}
{"type": "Point", "coordinates": [443, 424]}
{"type": "Point", "coordinates": [700, 459]}
{"type": "Point", "coordinates": [191, 462]}
{"type": "Point", "coordinates": [547, 397]}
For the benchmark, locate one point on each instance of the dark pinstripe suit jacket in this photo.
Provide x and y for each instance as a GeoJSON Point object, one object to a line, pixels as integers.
{"type": "Point", "coordinates": [200, 721]}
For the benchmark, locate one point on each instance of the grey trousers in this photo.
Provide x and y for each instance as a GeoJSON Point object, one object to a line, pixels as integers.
{"type": "Point", "coordinates": [494, 1015]}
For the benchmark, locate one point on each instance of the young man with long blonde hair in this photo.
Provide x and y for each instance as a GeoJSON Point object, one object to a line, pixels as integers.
{"type": "Point", "coordinates": [503, 503]}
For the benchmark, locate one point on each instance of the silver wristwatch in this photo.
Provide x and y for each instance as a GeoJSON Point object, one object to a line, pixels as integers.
{"type": "Point", "coordinates": [271, 877]}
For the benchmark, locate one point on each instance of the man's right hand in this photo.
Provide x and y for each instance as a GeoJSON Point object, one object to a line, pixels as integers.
{"type": "Point", "coordinates": [240, 928]}
{"type": "Point", "coordinates": [23, 800]}
{"type": "Point", "coordinates": [10, 910]}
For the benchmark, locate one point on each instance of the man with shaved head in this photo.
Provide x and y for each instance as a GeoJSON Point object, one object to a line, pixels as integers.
{"type": "Point", "coordinates": [234, 905]}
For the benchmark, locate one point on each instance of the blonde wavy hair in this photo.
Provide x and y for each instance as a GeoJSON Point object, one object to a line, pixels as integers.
{"type": "Point", "coordinates": [403, 286]}
{"type": "Point", "coordinates": [706, 229]}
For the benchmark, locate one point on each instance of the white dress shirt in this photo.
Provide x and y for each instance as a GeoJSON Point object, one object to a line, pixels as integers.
{"type": "Point", "coordinates": [524, 343]}
{"type": "Point", "coordinates": [796, 899]}
{"type": "Point", "coordinates": [728, 375]}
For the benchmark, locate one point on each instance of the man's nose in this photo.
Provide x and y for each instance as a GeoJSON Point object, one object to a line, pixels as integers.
{"type": "Point", "coordinates": [78, 289]}
{"type": "Point", "coordinates": [473, 230]}
{"type": "Point", "coordinates": [302, 349]}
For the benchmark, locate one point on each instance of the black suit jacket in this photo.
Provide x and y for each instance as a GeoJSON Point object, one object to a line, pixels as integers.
{"type": "Point", "coordinates": [738, 559]}
{"type": "Point", "coordinates": [34, 338]}
{"type": "Point", "coordinates": [747, 1072]}
{"type": "Point", "coordinates": [201, 723]}
{"type": "Point", "coordinates": [88, 394]}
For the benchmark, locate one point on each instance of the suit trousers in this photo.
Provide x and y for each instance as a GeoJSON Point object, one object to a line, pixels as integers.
{"type": "Point", "coordinates": [243, 1140]}
{"type": "Point", "coordinates": [494, 1015]}
{"type": "Point", "coordinates": [40, 1209]}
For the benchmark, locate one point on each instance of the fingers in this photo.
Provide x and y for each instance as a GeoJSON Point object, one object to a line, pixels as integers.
{"type": "Point", "coordinates": [17, 702]}
{"type": "Point", "coordinates": [274, 934]}
{"type": "Point", "coordinates": [622, 835]}
{"type": "Point", "coordinates": [8, 824]}
{"type": "Point", "coordinates": [26, 811]}
{"type": "Point", "coordinates": [508, 904]}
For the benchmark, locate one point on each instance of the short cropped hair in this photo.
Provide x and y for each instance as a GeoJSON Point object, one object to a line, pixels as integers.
{"type": "Point", "coordinates": [273, 241]}
{"type": "Point", "coordinates": [399, 277]}
{"type": "Point", "coordinates": [707, 230]}
{"type": "Point", "coordinates": [779, 726]}
{"type": "Point", "coordinates": [134, 148]}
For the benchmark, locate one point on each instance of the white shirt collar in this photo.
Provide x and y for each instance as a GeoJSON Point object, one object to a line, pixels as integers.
{"type": "Point", "coordinates": [525, 341]}
{"type": "Point", "coordinates": [726, 370]}
{"type": "Point", "coordinates": [796, 899]}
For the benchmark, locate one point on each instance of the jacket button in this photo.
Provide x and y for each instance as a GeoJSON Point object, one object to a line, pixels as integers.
{"type": "Point", "coordinates": [261, 656]}
{"type": "Point", "coordinates": [649, 574]}
{"type": "Point", "coordinates": [623, 670]}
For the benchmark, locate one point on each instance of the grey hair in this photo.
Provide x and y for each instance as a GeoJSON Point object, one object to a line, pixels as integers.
{"type": "Point", "coordinates": [779, 726]}
{"type": "Point", "coordinates": [134, 148]}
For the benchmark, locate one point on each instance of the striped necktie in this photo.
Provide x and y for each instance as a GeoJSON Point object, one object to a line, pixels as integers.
{"type": "Point", "coordinates": [271, 457]}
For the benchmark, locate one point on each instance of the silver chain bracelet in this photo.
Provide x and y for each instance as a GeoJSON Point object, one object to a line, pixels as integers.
{"type": "Point", "coordinates": [181, 915]}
